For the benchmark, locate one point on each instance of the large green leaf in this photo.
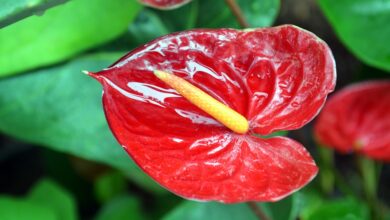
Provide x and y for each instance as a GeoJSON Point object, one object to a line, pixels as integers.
{"type": "Point", "coordinates": [13, 10]}
{"type": "Point", "coordinates": [62, 32]}
{"type": "Point", "coordinates": [287, 209]}
{"type": "Point", "coordinates": [48, 194]}
{"type": "Point", "coordinates": [61, 108]}
{"type": "Point", "coordinates": [363, 26]}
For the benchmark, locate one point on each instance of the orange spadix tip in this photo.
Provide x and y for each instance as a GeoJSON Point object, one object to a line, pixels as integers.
{"type": "Point", "coordinates": [221, 112]}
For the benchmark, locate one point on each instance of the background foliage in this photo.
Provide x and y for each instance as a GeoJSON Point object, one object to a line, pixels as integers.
{"type": "Point", "coordinates": [55, 140]}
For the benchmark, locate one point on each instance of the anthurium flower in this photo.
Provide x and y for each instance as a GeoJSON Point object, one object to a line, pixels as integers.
{"type": "Point", "coordinates": [357, 118]}
{"type": "Point", "coordinates": [176, 123]}
{"type": "Point", "coordinates": [164, 4]}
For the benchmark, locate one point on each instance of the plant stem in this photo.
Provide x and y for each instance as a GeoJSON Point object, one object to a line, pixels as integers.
{"type": "Point", "coordinates": [193, 15]}
{"type": "Point", "coordinates": [370, 181]}
{"type": "Point", "coordinates": [368, 172]}
{"type": "Point", "coordinates": [237, 12]}
{"type": "Point", "coordinates": [258, 211]}
{"type": "Point", "coordinates": [326, 173]}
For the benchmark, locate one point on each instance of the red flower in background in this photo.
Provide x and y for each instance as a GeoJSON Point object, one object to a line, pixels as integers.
{"type": "Point", "coordinates": [278, 78]}
{"type": "Point", "coordinates": [164, 4]}
{"type": "Point", "coordinates": [357, 118]}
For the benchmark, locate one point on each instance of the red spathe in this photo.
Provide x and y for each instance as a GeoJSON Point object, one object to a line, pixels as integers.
{"type": "Point", "coordinates": [357, 118]}
{"type": "Point", "coordinates": [278, 78]}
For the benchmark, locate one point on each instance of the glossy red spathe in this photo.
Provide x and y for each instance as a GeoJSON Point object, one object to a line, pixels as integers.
{"type": "Point", "coordinates": [278, 78]}
{"type": "Point", "coordinates": [357, 118]}
{"type": "Point", "coordinates": [164, 4]}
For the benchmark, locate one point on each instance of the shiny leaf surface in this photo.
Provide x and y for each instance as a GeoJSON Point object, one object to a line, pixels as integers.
{"type": "Point", "coordinates": [362, 26]}
{"type": "Point", "coordinates": [12, 11]}
{"type": "Point", "coordinates": [62, 32]}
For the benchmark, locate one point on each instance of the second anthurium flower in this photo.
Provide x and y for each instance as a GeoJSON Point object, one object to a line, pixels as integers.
{"type": "Point", "coordinates": [357, 119]}
{"type": "Point", "coordinates": [273, 79]}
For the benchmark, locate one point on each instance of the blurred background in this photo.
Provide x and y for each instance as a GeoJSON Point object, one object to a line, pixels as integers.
{"type": "Point", "coordinates": [58, 159]}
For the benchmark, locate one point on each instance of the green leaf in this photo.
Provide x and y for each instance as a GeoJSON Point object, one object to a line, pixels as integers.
{"type": "Point", "coordinates": [312, 199]}
{"type": "Point", "coordinates": [50, 195]}
{"type": "Point", "coordinates": [362, 25]}
{"type": "Point", "coordinates": [286, 209]}
{"type": "Point", "coordinates": [61, 108]}
{"type": "Point", "coordinates": [12, 208]}
{"type": "Point", "coordinates": [124, 207]}
{"type": "Point", "coordinates": [182, 18]}
{"type": "Point", "coordinates": [211, 211]}
{"type": "Point", "coordinates": [14, 10]}
{"type": "Point", "coordinates": [62, 32]}
{"type": "Point", "coordinates": [151, 23]}
{"type": "Point", "coordinates": [146, 27]}
{"type": "Point", "coordinates": [109, 186]}
{"type": "Point", "coordinates": [341, 209]}
{"type": "Point", "coordinates": [258, 13]}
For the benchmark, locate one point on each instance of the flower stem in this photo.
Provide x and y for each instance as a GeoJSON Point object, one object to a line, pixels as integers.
{"type": "Point", "coordinates": [367, 169]}
{"type": "Point", "coordinates": [237, 12]}
{"type": "Point", "coordinates": [327, 179]}
{"type": "Point", "coordinates": [369, 173]}
{"type": "Point", "coordinates": [193, 15]}
{"type": "Point", "coordinates": [258, 211]}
